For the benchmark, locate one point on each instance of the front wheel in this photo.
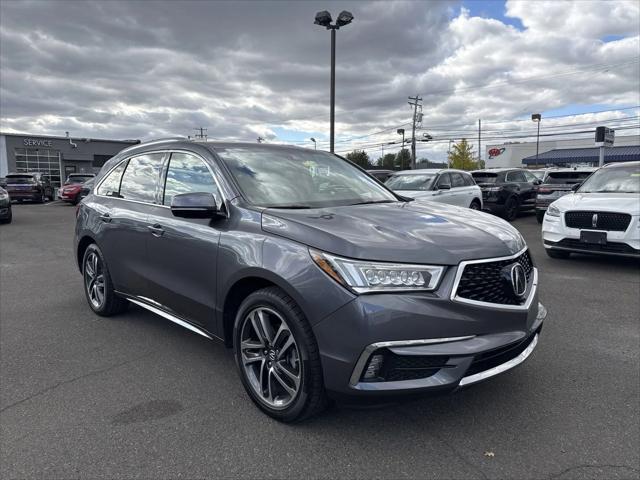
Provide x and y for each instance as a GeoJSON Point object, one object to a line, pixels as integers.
{"type": "Point", "coordinates": [278, 358]}
{"type": "Point", "coordinates": [98, 286]}
{"type": "Point", "coordinates": [475, 205]}
{"type": "Point", "coordinates": [540, 215]}
{"type": "Point", "coordinates": [511, 209]}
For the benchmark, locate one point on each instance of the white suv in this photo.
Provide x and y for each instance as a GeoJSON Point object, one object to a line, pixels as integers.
{"type": "Point", "coordinates": [602, 216]}
{"type": "Point", "coordinates": [455, 187]}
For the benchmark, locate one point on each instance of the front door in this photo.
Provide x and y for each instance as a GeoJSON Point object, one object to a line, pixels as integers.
{"type": "Point", "coordinates": [182, 252]}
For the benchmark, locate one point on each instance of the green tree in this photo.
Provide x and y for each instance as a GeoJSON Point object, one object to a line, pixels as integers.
{"type": "Point", "coordinates": [359, 157]}
{"type": "Point", "coordinates": [403, 159]}
{"type": "Point", "coordinates": [461, 156]}
{"type": "Point", "coordinates": [388, 162]}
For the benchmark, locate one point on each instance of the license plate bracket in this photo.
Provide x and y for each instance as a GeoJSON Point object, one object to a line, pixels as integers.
{"type": "Point", "coordinates": [599, 238]}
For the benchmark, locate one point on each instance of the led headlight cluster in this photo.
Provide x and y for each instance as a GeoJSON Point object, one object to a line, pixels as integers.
{"type": "Point", "coordinates": [553, 211]}
{"type": "Point", "coordinates": [363, 276]}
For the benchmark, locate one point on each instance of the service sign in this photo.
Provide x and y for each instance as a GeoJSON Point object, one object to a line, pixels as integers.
{"type": "Point", "coordinates": [36, 142]}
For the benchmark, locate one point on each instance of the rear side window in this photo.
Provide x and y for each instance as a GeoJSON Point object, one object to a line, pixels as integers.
{"type": "Point", "coordinates": [110, 186]}
{"type": "Point", "coordinates": [456, 180]}
{"type": "Point", "coordinates": [516, 177]}
{"type": "Point", "coordinates": [187, 174]}
{"type": "Point", "coordinates": [140, 178]}
{"type": "Point", "coordinates": [566, 178]}
{"type": "Point", "coordinates": [468, 179]}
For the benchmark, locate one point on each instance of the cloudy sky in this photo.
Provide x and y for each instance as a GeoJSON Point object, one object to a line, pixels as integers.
{"type": "Point", "coordinates": [146, 69]}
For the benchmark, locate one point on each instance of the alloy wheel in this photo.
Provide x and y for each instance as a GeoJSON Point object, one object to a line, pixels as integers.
{"type": "Point", "coordinates": [270, 357]}
{"type": "Point", "coordinates": [94, 279]}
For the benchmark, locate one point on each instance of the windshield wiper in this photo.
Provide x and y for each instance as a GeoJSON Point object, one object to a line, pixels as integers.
{"type": "Point", "coordinates": [369, 202]}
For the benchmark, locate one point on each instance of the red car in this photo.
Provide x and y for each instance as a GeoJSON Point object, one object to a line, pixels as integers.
{"type": "Point", "coordinates": [70, 191]}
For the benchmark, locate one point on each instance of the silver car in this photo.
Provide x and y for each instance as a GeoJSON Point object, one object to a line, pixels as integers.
{"type": "Point", "coordinates": [455, 187]}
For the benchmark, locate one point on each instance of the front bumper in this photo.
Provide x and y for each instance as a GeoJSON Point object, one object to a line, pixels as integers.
{"type": "Point", "coordinates": [441, 344]}
{"type": "Point", "coordinates": [557, 236]}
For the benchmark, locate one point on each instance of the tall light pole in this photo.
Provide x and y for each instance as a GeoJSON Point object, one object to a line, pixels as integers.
{"type": "Point", "coordinates": [536, 117]}
{"type": "Point", "coordinates": [400, 131]}
{"type": "Point", "coordinates": [324, 20]}
{"type": "Point", "coordinates": [315, 145]}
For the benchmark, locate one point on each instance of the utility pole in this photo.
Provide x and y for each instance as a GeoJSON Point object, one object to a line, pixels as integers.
{"type": "Point", "coordinates": [200, 133]}
{"type": "Point", "coordinates": [415, 103]}
{"type": "Point", "coordinates": [479, 142]}
{"type": "Point", "coordinates": [449, 154]}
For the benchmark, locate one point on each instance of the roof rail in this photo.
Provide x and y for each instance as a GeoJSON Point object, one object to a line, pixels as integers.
{"type": "Point", "coordinates": [155, 140]}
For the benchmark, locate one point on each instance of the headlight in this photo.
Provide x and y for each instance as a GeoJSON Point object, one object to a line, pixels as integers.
{"type": "Point", "coordinates": [553, 211]}
{"type": "Point", "coordinates": [362, 276]}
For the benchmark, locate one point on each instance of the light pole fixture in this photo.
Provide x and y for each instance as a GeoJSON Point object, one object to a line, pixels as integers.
{"type": "Point", "coordinates": [324, 20]}
{"type": "Point", "coordinates": [315, 146]}
{"type": "Point", "coordinates": [400, 131]}
{"type": "Point", "coordinates": [536, 117]}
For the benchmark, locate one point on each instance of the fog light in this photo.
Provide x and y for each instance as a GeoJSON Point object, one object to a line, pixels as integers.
{"type": "Point", "coordinates": [373, 368]}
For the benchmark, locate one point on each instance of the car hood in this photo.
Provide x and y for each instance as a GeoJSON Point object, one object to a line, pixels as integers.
{"type": "Point", "coordinates": [407, 232]}
{"type": "Point", "coordinates": [603, 202]}
{"type": "Point", "coordinates": [415, 193]}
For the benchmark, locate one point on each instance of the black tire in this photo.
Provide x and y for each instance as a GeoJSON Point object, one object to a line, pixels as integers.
{"type": "Point", "coordinates": [111, 304]}
{"type": "Point", "coordinates": [8, 219]}
{"type": "Point", "coordinates": [539, 215]}
{"type": "Point", "coordinates": [310, 398]}
{"type": "Point", "coordinates": [43, 198]}
{"type": "Point", "coordinates": [475, 204]}
{"type": "Point", "coordinates": [511, 209]}
{"type": "Point", "coordinates": [557, 253]}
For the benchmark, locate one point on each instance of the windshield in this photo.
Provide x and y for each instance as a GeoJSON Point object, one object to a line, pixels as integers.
{"type": "Point", "coordinates": [537, 173]}
{"type": "Point", "coordinates": [79, 179]}
{"type": "Point", "coordinates": [287, 178]}
{"type": "Point", "coordinates": [14, 179]}
{"type": "Point", "coordinates": [566, 178]}
{"type": "Point", "coordinates": [411, 182]}
{"type": "Point", "coordinates": [613, 180]}
{"type": "Point", "coordinates": [485, 177]}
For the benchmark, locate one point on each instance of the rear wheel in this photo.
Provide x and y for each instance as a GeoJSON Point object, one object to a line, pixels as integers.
{"type": "Point", "coordinates": [511, 208]}
{"type": "Point", "coordinates": [540, 215]}
{"type": "Point", "coordinates": [98, 286]}
{"type": "Point", "coordinates": [557, 253]}
{"type": "Point", "coordinates": [475, 205]}
{"type": "Point", "coordinates": [277, 355]}
{"type": "Point", "coordinates": [43, 198]}
{"type": "Point", "coordinates": [8, 219]}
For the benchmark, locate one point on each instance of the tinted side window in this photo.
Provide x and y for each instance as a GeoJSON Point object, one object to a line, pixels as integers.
{"type": "Point", "coordinates": [140, 178]}
{"type": "Point", "coordinates": [444, 179]}
{"type": "Point", "coordinates": [111, 184]}
{"type": "Point", "coordinates": [530, 177]}
{"type": "Point", "coordinates": [187, 174]}
{"type": "Point", "coordinates": [516, 177]}
{"type": "Point", "coordinates": [468, 180]}
{"type": "Point", "coordinates": [456, 180]}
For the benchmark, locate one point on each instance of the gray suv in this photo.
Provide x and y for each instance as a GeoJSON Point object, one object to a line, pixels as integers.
{"type": "Point", "coordinates": [325, 283]}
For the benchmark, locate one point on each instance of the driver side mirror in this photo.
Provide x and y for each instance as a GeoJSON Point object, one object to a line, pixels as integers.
{"type": "Point", "coordinates": [194, 205]}
{"type": "Point", "coordinates": [537, 181]}
{"type": "Point", "coordinates": [444, 186]}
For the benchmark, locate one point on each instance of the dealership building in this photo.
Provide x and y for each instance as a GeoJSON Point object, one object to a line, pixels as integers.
{"type": "Point", "coordinates": [51, 155]}
{"type": "Point", "coordinates": [514, 154]}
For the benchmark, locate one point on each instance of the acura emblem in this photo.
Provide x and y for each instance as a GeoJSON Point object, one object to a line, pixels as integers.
{"type": "Point", "coordinates": [518, 280]}
{"type": "Point", "coordinates": [594, 220]}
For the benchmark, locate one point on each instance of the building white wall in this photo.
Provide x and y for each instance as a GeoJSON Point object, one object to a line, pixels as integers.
{"type": "Point", "coordinates": [512, 153]}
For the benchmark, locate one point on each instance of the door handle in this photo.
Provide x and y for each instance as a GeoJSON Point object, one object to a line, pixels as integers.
{"type": "Point", "coordinates": [105, 217]}
{"type": "Point", "coordinates": [156, 230]}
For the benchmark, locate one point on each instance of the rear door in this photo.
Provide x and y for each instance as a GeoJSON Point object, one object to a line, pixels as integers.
{"type": "Point", "coordinates": [459, 190]}
{"type": "Point", "coordinates": [182, 252]}
{"type": "Point", "coordinates": [520, 186]}
{"type": "Point", "coordinates": [126, 195]}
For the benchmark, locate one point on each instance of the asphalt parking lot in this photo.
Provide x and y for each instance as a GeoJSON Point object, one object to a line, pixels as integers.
{"type": "Point", "coordinates": [138, 397]}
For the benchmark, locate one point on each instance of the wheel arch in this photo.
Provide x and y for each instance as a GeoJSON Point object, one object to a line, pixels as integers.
{"type": "Point", "coordinates": [251, 281]}
{"type": "Point", "coordinates": [83, 244]}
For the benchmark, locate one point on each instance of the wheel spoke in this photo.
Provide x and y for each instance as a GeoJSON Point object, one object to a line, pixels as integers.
{"type": "Point", "coordinates": [281, 331]}
{"type": "Point", "coordinates": [261, 378]}
{"type": "Point", "coordinates": [269, 391]}
{"type": "Point", "coordinates": [290, 341]}
{"type": "Point", "coordinates": [251, 345]}
{"type": "Point", "coordinates": [292, 376]}
{"type": "Point", "coordinates": [267, 329]}
{"type": "Point", "coordinates": [276, 375]}
{"type": "Point", "coordinates": [257, 328]}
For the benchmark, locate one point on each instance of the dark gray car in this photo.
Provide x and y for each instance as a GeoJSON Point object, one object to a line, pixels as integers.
{"type": "Point", "coordinates": [323, 281]}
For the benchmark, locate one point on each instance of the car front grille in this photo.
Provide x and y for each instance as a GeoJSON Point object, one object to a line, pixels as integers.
{"type": "Point", "coordinates": [484, 282]}
{"type": "Point", "coordinates": [613, 222]}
